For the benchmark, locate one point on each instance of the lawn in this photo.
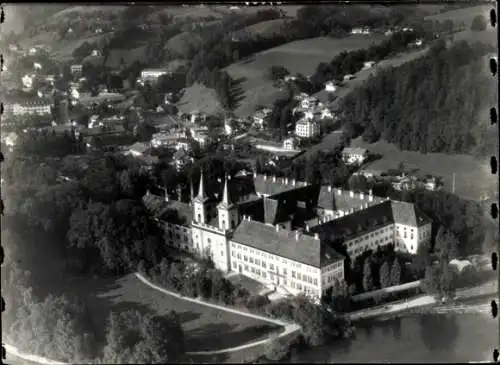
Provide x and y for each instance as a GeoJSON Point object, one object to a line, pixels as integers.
{"type": "Point", "coordinates": [472, 177]}
{"type": "Point", "coordinates": [205, 328]}
{"type": "Point", "coordinates": [297, 57]}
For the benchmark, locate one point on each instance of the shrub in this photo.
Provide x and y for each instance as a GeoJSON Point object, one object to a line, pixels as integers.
{"type": "Point", "coordinates": [478, 24]}
{"type": "Point", "coordinates": [277, 350]}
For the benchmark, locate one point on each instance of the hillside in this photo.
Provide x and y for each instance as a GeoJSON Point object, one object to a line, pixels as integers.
{"type": "Point", "coordinates": [181, 43]}
{"type": "Point", "coordinates": [297, 57]}
{"type": "Point", "coordinates": [264, 29]}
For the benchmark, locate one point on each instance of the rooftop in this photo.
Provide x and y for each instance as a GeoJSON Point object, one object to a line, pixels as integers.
{"type": "Point", "coordinates": [337, 199]}
{"type": "Point", "coordinates": [292, 245]}
{"type": "Point", "coordinates": [372, 218]}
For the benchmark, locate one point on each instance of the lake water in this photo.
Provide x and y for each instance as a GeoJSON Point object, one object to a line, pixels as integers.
{"type": "Point", "coordinates": [419, 338]}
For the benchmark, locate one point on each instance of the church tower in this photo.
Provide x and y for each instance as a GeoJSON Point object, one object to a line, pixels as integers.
{"type": "Point", "coordinates": [227, 211]}
{"type": "Point", "coordinates": [200, 203]}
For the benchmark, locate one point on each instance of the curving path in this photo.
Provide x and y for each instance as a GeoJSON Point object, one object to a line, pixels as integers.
{"type": "Point", "coordinates": [289, 328]}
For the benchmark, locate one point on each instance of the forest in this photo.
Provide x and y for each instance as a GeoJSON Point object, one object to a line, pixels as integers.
{"type": "Point", "coordinates": [433, 104]}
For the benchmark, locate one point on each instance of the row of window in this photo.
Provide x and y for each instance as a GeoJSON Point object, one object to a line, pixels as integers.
{"type": "Point", "coordinates": [264, 255]}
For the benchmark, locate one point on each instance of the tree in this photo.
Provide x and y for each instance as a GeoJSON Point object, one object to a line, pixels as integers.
{"type": "Point", "coordinates": [277, 73]}
{"type": "Point", "coordinates": [479, 23]}
{"type": "Point", "coordinates": [385, 277]}
{"type": "Point", "coordinates": [82, 51]}
{"type": "Point", "coordinates": [447, 280]}
{"type": "Point", "coordinates": [395, 276]}
{"type": "Point", "coordinates": [277, 350]}
{"type": "Point", "coordinates": [367, 275]}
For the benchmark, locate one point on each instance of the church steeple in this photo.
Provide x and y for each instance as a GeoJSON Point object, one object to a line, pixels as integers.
{"type": "Point", "coordinates": [200, 203]}
{"type": "Point", "coordinates": [201, 190]}
{"type": "Point", "coordinates": [226, 199]}
{"type": "Point", "coordinates": [227, 211]}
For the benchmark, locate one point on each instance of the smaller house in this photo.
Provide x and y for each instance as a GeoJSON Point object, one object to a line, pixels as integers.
{"type": "Point", "coordinates": [349, 77]}
{"type": "Point", "coordinates": [354, 155]}
{"type": "Point", "coordinates": [326, 113]}
{"type": "Point", "coordinates": [183, 144]}
{"type": "Point", "coordinates": [330, 87]}
{"type": "Point", "coordinates": [95, 53]}
{"type": "Point", "coordinates": [368, 64]}
{"type": "Point", "coordinates": [138, 149]}
{"type": "Point", "coordinates": [290, 144]}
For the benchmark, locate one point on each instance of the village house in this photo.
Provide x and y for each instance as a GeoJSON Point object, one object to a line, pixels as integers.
{"type": "Point", "coordinates": [330, 87]}
{"type": "Point", "coordinates": [290, 144]}
{"type": "Point", "coordinates": [354, 155]}
{"type": "Point", "coordinates": [138, 149]}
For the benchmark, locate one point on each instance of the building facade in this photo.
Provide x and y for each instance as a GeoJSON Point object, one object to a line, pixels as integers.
{"type": "Point", "coordinates": [354, 155]}
{"type": "Point", "coordinates": [29, 107]}
{"type": "Point", "coordinates": [307, 129]}
{"type": "Point", "coordinates": [261, 234]}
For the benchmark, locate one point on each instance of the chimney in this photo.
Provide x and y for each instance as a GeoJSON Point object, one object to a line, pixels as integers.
{"type": "Point", "coordinates": [286, 181]}
{"type": "Point", "coordinates": [370, 192]}
{"type": "Point", "coordinates": [370, 198]}
{"type": "Point", "coordinates": [255, 174]}
{"type": "Point", "coordinates": [274, 178]}
{"type": "Point", "coordinates": [249, 217]}
{"type": "Point", "coordinates": [316, 236]}
{"type": "Point", "coordinates": [351, 194]}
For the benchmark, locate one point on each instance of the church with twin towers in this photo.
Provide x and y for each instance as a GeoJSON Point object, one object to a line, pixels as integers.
{"type": "Point", "coordinates": [289, 235]}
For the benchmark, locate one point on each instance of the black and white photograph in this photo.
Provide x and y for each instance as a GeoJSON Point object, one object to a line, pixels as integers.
{"type": "Point", "coordinates": [252, 183]}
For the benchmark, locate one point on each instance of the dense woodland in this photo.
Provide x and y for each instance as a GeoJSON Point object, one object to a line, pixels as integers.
{"type": "Point", "coordinates": [435, 102]}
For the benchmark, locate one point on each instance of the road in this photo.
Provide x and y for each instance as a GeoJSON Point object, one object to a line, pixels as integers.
{"type": "Point", "coordinates": [490, 287]}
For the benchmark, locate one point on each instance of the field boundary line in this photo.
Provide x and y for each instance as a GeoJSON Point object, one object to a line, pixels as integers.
{"type": "Point", "coordinates": [289, 328]}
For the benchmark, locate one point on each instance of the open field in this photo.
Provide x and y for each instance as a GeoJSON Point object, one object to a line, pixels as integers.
{"type": "Point", "coordinates": [297, 57]}
{"type": "Point", "coordinates": [472, 177]}
{"type": "Point", "coordinates": [180, 43]}
{"type": "Point", "coordinates": [205, 328]}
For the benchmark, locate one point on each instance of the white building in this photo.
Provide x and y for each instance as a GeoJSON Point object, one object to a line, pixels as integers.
{"type": "Point", "coordinates": [284, 257]}
{"type": "Point", "coordinates": [326, 113]}
{"type": "Point", "coordinates": [354, 155]}
{"type": "Point", "coordinates": [368, 64]}
{"type": "Point", "coordinates": [28, 106]}
{"type": "Point", "coordinates": [307, 129]}
{"type": "Point", "coordinates": [330, 87]}
{"type": "Point", "coordinates": [138, 149]}
{"type": "Point", "coordinates": [290, 144]}
{"type": "Point", "coordinates": [165, 139]}
{"type": "Point", "coordinates": [76, 68]}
